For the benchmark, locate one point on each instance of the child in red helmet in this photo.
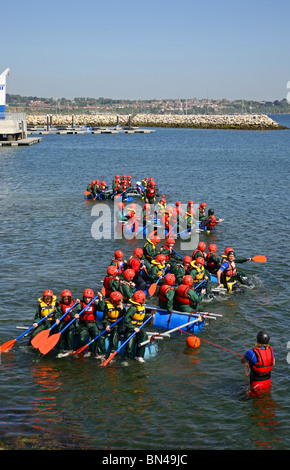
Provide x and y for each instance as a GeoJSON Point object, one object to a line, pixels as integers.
{"type": "Point", "coordinates": [66, 342]}
{"type": "Point", "coordinates": [166, 293]}
{"type": "Point", "coordinates": [113, 310]}
{"type": "Point", "coordinates": [186, 298]}
{"type": "Point", "coordinates": [134, 318]}
{"type": "Point", "coordinates": [47, 304]}
{"type": "Point", "coordinates": [87, 326]}
{"type": "Point", "coordinates": [127, 286]}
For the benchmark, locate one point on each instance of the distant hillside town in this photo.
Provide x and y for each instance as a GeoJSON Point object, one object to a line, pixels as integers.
{"type": "Point", "coordinates": [35, 105]}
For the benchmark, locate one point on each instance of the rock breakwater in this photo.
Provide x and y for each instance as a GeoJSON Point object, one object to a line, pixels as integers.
{"type": "Point", "coordinates": [201, 121]}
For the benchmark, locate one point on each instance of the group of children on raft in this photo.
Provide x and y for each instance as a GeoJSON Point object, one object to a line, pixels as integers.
{"type": "Point", "coordinates": [180, 283]}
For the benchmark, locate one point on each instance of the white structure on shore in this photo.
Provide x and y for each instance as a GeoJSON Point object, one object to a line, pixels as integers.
{"type": "Point", "coordinates": [13, 126]}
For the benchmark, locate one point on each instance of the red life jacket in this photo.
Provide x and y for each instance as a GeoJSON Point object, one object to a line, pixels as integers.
{"type": "Point", "coordinates": [231, 271]}
{"type": "Point", "coordinates": [90, 314]}
{"type": "Point", "coordinates": [134, 264]}
{"type": "Point", "coordinates": [163, 291]}
{"type": "Point", "coordinates": [211, 223]}
{"type": "Point", "coordinates": [118, 264]}
{"type": "Point", "coordinates": [181, 295]}
{"type": "Point", "coordinates": [198, 251]}
{"type": "Point", "coordinates": [107, 285]}
{"type": "Point", "coordinates": [150, 192]}
{"type": "Point", "coordinates": [262, 369]}
{"type": "Point", "coordinates": [65, 308]}
{"type": "Point", "coordinates": [210, 264]}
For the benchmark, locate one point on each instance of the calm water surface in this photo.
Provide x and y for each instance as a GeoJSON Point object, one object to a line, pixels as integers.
{"type": "Point", "coordinates": [180, 399]}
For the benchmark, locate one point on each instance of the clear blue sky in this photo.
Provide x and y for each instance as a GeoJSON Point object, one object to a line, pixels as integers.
{"type": "Point", "coordinates": [147, 49]}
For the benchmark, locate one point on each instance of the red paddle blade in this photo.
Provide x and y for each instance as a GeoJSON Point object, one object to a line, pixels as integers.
{"type": "Point", "coordinates": [152, 289]}
{"type": "Point", "coordinates": [81, 349]}
{"type": "Point", "coordinates": [49, 344]}
{"type": "Point", "coordinates": [7, 346]}
{"type": "Point", "coordinates": [103, 291]}
{"type": "Point", "coordinates": [109, 358]}
{"type": "Point", "coordinates": [260, 259]}
{"type": "Point", "coordinates": [43, 335]}
{"type": "Point", "coordinates": [87, 193]}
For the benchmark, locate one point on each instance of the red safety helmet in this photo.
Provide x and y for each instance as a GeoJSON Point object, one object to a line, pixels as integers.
{"type": "Point", "coordinates": [160, 258]}
{"type": "Point", "coordinates": [187, 259]}
{"type": "Point", "coordinates": [227, 250]}
{"type": "Point", "coordinates": [201, 246]}
{"type": "Point", "coordinates": [212, 247]}
{"type": "Point", "coordinates": [119, 254]}
{"type": "Point", "coordinates": [170, 279]}
{"type": "Point", "coordinates": [103, 183]}
{"type": "Point", "coordinates": [47, 292]}
{"type": "Point", "coordinates": [138, 252]}
{"type": "Point", "coordinates": [121, 205]}
{"type": "Point", "coordinates": [147, 205]}
{"type": "Point", "coordinates": [163, 200]}
{"type": "Point", "coordinates": [200, 260]}
{"type": "Point", "coordinates": [89, 293]}
{"type": "Point", "coordinates": [117, 176]}
{"type": "Point", "coordinates": [129, 274]}
{"type": "Point", "coordinates": [190, 203]}
{"type": "Point", "coordinates": [139, 297]}
{"type": "Point", "coordinates": [203, 204]}
{"type": "Point", "coordinates": [115, 297]}
{"type": "Point", "coordinates": [188, 280]}
{"type": "Point", "coordinates": [112, 270]}
{"type": "Point", "coordinates": [178, 203]}
{"type": "Point", "coordinates": [65, 293]}
{"type": "Point", "coordinates": [170, 241]}
{"type": "Point", "coordinates": [155, 239]}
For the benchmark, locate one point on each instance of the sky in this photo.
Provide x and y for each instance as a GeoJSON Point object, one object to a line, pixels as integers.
{"type": "Point", "coordinates": [153, 49]}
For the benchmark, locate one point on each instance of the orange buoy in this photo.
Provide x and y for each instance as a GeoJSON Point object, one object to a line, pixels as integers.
{"type": "Point", "coordinates": [193, 342]}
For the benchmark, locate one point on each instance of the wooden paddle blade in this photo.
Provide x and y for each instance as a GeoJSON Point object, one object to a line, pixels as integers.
{"type": "Point", "coordinates": [49, 344]}
{"type": "Point", "coordinates": [109, 358]}
{"type": "Point", "coordinates": [41, 336]}
{"type": "Point", "coordinates": [259, 259]}
{"type": "Point", "coordinates": [7, 346]}
{"type": "Point", "coordinates": [152, 289]}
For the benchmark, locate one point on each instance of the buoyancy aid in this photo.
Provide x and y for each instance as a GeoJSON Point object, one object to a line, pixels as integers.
{"type": "Point", "coordinates": [134, 264]}
{"type": "Point", "coordinates": [138, 316]}
{"type": "Point", "coordinates": [181, 294]}
{"type": "Point", "coordinates": [147, 255]}
{"type": "Point", "coordinates": [160, 266]}
{"type": "Point", "coordinates": [262, 369]}
{"type": "Point", "coordinates": [88, 315]}
{"type": "Point", "coordinates": [45, 309]}
{"type": "Point", "coordinates": [231, 271]}
{"type": "Point", "coordinates": [199, 272]}
{"type": "Point", "coordinates": [113, 312]}
{"type": "Point", "coordinates": [65, 308]}
{"type": "Point", "coordinates": [107, 285]}
{"type": "Point", "coordinates": [211, 223]}
{"type": "Point", "coordinates": [210, 264]}
{"type": "Point", "coordinates": [150, 192]}
{"type": "Point", "coordinates": [202, 253]}
{"type": "Point", "coordinates": [163, 291]}
{"type": "Point", "coordinates": [120, 265]}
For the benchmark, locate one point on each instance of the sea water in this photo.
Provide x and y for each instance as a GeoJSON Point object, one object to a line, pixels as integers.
{"type": "Point", "coordinates": [181, 398]}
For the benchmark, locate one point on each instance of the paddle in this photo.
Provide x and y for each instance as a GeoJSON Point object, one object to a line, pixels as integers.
{"type": "Point", "coordinates": [90, 342]}
{"type": "Point", "coordinates": [259, 259]}
{"type": "Point", "coordinates": [42, 335]}
{"type": "Point", "coordinates": [9, 344]}
{"type": "Point", "coordinates": [52, 340]}
{"type": "Point", "coordinates": [119, 195]}
{"type": "Point", "coordinates": [153, 287]}
{"type": "Point", "coordinates": [128, 339]}
{"type": "Point", "coordinates": [168, 333]}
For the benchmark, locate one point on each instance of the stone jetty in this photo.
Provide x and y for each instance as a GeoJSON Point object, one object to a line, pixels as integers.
{"type": "Point", "coordinates": [201, 121]}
